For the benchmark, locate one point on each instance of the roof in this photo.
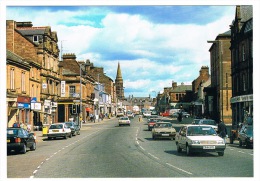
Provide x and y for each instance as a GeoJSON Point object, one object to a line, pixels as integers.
{"type": "Point", "coordinates": [182, 88]}
{"type": "Point", "coordinates": [246, 12]}
{"type": "Point", "coordinates": [119, 73]}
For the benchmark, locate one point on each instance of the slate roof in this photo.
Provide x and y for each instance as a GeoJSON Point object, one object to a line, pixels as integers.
{"type": "Point", "coordinates": [182, 88]}
{"type": "Point", "coordinates": [246, 12]}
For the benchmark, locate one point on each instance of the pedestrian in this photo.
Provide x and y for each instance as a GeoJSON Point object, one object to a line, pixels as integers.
{"type": "Point", "coordinates": [222, 129]}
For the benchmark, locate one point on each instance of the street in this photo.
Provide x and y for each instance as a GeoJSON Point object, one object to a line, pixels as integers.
{"type": "Point", "coordinates": [109, 151]}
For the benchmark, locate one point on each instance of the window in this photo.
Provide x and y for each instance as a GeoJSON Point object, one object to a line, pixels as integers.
{"type": "Point", "coordinates": [12, 86]}
{"type": "Point", "coordinates": [244, 82]}
{"type": "Point", "coordinates": [243, 53]}
{"type": "Point", "coordinates": [35, 38]}
{"type": "Point", "coordinates": [72, 90]}
{"type": "Point", "coordinates": [23, 81]}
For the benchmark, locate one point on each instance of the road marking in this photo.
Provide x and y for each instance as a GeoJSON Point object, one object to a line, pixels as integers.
{"type": "Point", "coordinates": [142, 148]}
{"type": "Point", "coordinates": [241, 152]}
{"type": "Point", "coordinates": [179, 169]}
{"type": "Point", "coordinates": [137, 142]}
{"type": "Point", "coordinates": [153, 156]}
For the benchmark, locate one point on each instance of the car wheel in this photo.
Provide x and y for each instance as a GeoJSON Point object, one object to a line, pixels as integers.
{"type": "Point", "coordinates": [49, 138]}
{"type": "Point", "coordinates": [70, 135]}
{"type": "Point", "coordinates": [240, 143]}
{"type": "Point", "coordinates": [33, 147]}
{"type": "Point", "coordinates": [247, 145]}
{"type": "Point", "coordinates": [78, 132]}
{"type": "Point", "coordinates": [24, 149]}
{"type": "Point", "coordinates": [221, 153]}
{"type": "Point", "coordinates": [65, 137]}
{"type": "Point", "coordinates": [178, 148]}
{"type": "Point", "coordinates": [188, 152]}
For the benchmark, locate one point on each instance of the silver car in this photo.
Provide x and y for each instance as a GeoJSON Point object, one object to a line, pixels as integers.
{"type": "Point", "coordinates": [199, 138]}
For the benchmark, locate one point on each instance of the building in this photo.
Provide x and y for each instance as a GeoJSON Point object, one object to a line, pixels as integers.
{"type": "Point", "coordinates": [221, 84]}
{"type": "Point", "coordinates": [119, 83]}
{"type": "Point", "coordinates": [48, 59]}
{"type": "Point", "coordinates": [23, 69]}
{"type": "Point", "coordinates": [76, 101]}
{"type": "Point", "coordinates": [198, 104]}
{"type": "Point", "coordinates": [242, 65]}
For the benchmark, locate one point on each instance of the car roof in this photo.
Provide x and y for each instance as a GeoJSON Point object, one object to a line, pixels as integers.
{"type": "Point", "coordinates": [162, 122]}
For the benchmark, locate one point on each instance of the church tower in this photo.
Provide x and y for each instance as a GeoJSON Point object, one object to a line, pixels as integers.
{"type": "Point", "coordinates": [119, 83]}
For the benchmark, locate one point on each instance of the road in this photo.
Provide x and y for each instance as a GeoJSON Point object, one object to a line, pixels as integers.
{"type": "Point", "coordinates": [109, 151]}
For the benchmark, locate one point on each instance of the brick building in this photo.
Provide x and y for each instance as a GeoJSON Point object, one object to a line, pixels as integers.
{"type": "Point", "coordinates": [221, 84]}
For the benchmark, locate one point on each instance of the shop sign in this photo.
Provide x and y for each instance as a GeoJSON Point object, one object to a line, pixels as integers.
{"type": "Point", "coordinates": [23, 105]}
{"type": "Point", "coordinates": [36, 106]}
{"type": "Point", "coordinates": [23, 99]}
{"type": "Point", "coordinates": [62, 86]}
{"type": "Point", "coordinates": [47, 103]}
{"type": "Point", "coordinates": [245, 98]}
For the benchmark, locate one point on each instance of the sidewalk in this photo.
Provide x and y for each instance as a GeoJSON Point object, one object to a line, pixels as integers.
{"type": "Point", "coordinates": [84, 126]}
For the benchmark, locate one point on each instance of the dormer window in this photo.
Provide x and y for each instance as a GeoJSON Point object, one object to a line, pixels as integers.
{"type": "Point", "coordinates": [35, 38]}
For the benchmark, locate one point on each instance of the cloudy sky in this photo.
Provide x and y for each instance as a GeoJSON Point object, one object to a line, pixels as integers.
{"type": "Point", "coordinates": [154, 44]}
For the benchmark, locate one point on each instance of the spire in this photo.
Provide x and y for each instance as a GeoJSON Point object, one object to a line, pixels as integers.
{"type": "Point", "coordinates": [119, 74]}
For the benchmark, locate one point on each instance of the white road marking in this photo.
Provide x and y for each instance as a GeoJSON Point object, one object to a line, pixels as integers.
{"type": "Point", "coordinates": [153, 156]}
{"type": "Point", "coordinates": [142, 148]}
{"type": "Point", "coordinates": [179, 169]}
{"type": "Point", "coordinates": [137, 142]}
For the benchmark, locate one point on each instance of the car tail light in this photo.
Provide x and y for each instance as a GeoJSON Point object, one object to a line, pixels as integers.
{"type": "Point", "coordinates": [17, 140]}
{"type": "Point", "coordinates": [63, 130]}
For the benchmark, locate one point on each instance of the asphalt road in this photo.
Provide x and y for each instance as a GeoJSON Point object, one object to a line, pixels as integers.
{"type": "Point", "coordinates": [109, 151]}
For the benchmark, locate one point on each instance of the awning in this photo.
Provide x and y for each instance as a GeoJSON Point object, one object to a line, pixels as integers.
{"type": "Point", "coordinates": [88, 109]}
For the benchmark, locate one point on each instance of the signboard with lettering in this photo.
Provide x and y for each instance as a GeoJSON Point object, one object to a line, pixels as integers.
{"type": "Point", "coordinates": [63, 90]}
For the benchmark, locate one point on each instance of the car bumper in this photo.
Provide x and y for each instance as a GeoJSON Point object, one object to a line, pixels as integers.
{"type": "Point", "coordinates": [207, 148]}
{"type": "Point", "coordinates": [54, 135]}
{"type": "Point", "coordinates": [15, 146]}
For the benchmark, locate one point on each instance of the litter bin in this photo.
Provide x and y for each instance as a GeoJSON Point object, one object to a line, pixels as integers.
{"type": "Point", "coordinates": [45, 129]}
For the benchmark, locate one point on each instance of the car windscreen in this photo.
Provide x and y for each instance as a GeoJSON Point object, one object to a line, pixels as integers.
{"type": "Point", "coordinates": [209, 122]}
{"type": "Point", "coordinates": [163, 125]}
{"type": "Point", "coordinates": [123, 118]}
{"type": "Point", "coordinates": [200, 130]}
{"type": "Point", "coordinates": [249, 131]}
{"type": "Point", "coordinates": [69, 124]}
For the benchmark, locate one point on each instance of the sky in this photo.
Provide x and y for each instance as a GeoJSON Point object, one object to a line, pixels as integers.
{"type": "Point", "coordinates": [154, 44]}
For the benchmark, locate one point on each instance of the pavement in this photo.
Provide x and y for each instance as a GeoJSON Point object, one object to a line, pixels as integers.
{"type": "Point", "coordinates": [40, 137]}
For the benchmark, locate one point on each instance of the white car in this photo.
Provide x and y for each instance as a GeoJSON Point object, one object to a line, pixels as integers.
{"type": "Point", "coordinates": [147, 114]}
{"type": "Point", "coordinates": [199, 138]}
{"type": "Point", "coordinates": [124, 121]}
{"type": "Point", "coordinates": [59, 130]}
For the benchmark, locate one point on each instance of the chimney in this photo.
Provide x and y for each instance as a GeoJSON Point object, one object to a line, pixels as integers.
{"type": "Point", "coordinates": [174, 84]}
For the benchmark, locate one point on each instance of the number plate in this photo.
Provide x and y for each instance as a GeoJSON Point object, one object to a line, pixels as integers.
{"type": "Point", "coordinates": [8, 141]}
{"type": "Point", "coordinates": [55, 130]}
{"type": "Point", "coordinates": [208, 147]}
{"type": "Point", "coordinates": [165, 134]}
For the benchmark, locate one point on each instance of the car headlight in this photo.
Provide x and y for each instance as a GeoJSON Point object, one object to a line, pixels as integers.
{"type": "Point", "coordinates": [251, 138]}
{"type": "Point", "coordinates": [195, 142]}
{"type": "Point", "coordinates": [220, 142]}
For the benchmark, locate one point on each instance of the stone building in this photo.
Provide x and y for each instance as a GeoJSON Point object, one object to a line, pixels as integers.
{"type": "Point", "coordinates": [242, 65]}
{"type": "Point", "coordinates": [221, 84]}
{"type": "Point", "coordinates": [119, 83]}
{"type": "Point", "coordinates": [48, 59]}
{"type": "Point", "coordinates": [77, 89]}
{"type": "Point", "coordinates": [23, 69]}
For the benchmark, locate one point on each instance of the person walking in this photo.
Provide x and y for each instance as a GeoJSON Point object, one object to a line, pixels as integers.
{"type": "Point", "coordinates": [222, 129]}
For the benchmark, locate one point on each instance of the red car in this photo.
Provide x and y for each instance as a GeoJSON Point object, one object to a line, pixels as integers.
{"type": "Point", "coordinates": [166, 113]}
{"type": "Point", "coordinates": [152, 123]}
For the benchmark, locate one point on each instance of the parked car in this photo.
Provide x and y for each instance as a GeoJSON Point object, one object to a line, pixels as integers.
{"type": "Point", "coordinates": [209, 122]}
{"type": "Point", "coordinates": [163, 130]}
{"type": "Point", "coordinates": [124, 121]}
{"type": "Point", "coordinates": [199, 138]}
{"type": "Point", "coordinates": [196, 121]}
{"type": "Point", "coordinates": [151, 123]}
{"type": "Point", "coordinates": [19, 139]}
{"type": "Point", "coordinates": [59, 130]}
{"type": "Point", "coordinates": [245, 136]}
{"type": "Point", "coordinates": [75, 129]}
{"type": "Point", "coordinates": [175, 115]}
{"type": "Point", "coordinates": [154, 112]}
{"type": "Point", "coordinates": [166, 113]}
{"type": "Point", "coordinates": [185, 114]}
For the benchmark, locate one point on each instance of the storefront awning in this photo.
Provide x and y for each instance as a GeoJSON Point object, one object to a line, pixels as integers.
{"type": "Point", "coordinates": [88, 109]}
